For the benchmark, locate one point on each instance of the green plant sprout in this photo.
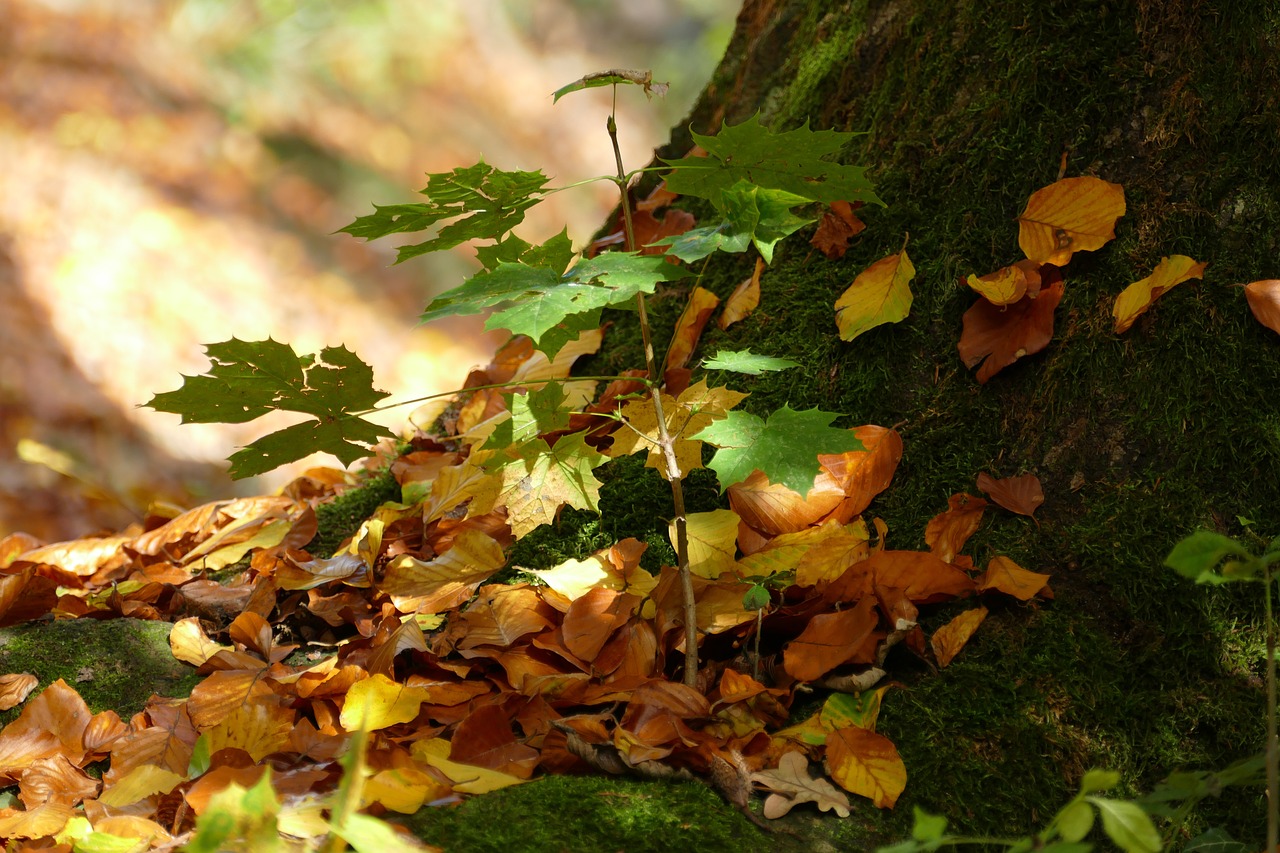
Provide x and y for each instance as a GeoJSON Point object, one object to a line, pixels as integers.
{"type": "Point", "coordinates": [753, 177]}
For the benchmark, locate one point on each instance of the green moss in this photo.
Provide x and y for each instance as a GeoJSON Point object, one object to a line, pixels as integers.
{"type": "Point", "coordinates": [341, 517]}
{"type": "Point", "coordinates": [114, 664]}
{"type": "Point", "coordinates": [567, 813]}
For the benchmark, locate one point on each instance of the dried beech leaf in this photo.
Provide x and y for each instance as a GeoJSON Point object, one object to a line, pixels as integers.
{"type": "Point", "coordinates": [867, 764]}
{"type": "Point", "coordinates": [1071, 215]}
{"type": "Point", "coordinates": [1135, 299]}
{"type": "Point", "coordinates": [1264, 302]}
{"type": "Point", "coordinates": [743, 300]}
{"type": "Point", "coordinates": [1004, 575]}
{"type": "Point", "coordinates": [1022, 495]}
{"type": "Point", "coordinates": [997, 336]}
{"type": "Point", "coordinates": [948, 640]}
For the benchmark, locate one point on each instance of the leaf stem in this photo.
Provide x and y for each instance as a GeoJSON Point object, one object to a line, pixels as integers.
{"type": "Point", "coordinates": [665, 440]}
{"type": "Point", "coordinates": [521, 384]}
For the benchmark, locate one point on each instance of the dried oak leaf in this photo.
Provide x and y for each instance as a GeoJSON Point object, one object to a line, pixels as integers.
{"type": "Point", "coordinates": [1264, 302]}
{"type": "Point", "coordinates": [1002, 335]}
{"type": "Point", "coordinates": [1070, 215]}
{"type": "Point", "coordinates": [1135, 299]}
{"type": "Point", "coordinates": [790, 784]}
{"type": "Point", "coordinates": [1022, 495]}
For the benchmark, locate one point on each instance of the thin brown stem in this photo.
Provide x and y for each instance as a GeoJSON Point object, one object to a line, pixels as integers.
{"type": "Point", "coordinates": [665, 440]}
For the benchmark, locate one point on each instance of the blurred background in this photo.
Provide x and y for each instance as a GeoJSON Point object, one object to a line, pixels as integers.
{"type": "Point", "coordinates": [172, 172]}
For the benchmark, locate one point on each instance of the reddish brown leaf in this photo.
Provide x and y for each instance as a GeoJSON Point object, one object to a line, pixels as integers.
{"type": "Point", "coordinates": [485, 739]}
{"type": "Point", "coordinates": [1022, 495]}
{"type": "Point", "coordinates": [593, 618]}
{"type": "Point", "coordinates": [829, 640]}
{"type": "Point", "coordinates": [999, 336]}
{"type": "Point", "coordinates": [838, 225]}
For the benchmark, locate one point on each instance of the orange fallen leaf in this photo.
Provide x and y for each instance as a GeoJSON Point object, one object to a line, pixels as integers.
{"type": "Point", "coordinates": [829, 640]}
{"type": "Point", "coordinates": [1070, 215]}
{"type": "Point", "coordinates": [1264, 302]}
{"type": "Point", "coordinates": [946, 533]}
{"type": "Point", "coordinates": [867, 764]}
{"type": "Point", "coordinates": [15, 688]}
{"type": "Point", "coordinates": [1004, 575]}
{"type": "Point", "coordinates": [743, 300]}
{"type": "Point", "coordinates": [948, 640]}
{"type": "Point", "coordinates": [485, 739]}
{"type": "Point", "coordinates": [863, 474]}
{"type": "Point", "coordinates": [684, 340]}
{"type": "Point", "coordinates": [1135, 299]}
{"type": "Point", "coordinates": [879, 294]}
{"type": "Point", "coordinates": [1022, 495]}
{"type": "Point", "coordinates": [1002, 335]}
{"type": "Point", "coordinates": [772, 508]}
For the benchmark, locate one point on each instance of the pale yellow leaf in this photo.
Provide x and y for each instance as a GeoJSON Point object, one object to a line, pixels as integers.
{"type": "Point", "coordinates": [879, 294]}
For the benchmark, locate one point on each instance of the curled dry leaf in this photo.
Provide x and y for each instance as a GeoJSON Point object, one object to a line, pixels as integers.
{"type": "Point", "coordinates": [863, 474]}
{"type": "Point", "coordinates": [743, 300]}
{"type": "Point", "coordinates": [1022, 495]}
{"type": "Point", "coordinates": [999, 336]}
{"type": "Point", "coordinates": [1070, 215]}
{"type": "Point", "coordinates": [829, 640]}
{"type": "Point", "coordinates": [791, 784]}
{"type": "Point", "coordinates": [1264, 302]}
{"type": "Point", "coordinates": [15, 688]}
{"type": "Point", "coordinates": [948, 640]}
{"type": "Point", "coordinates": [1135, 299]}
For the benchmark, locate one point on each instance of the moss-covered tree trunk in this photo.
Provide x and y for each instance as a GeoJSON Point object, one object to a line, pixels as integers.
{"type": "Point", "coordinates": [968, 107]}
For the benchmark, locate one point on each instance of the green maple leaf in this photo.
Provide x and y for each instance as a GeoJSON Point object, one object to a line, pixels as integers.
{"type": "Point", "coordinates": [785, 447]}
{"type": "Point", "coordinates": [248, 379]}
{"type": "Point", "coordinates": [496, 201]}
{"type": "Point", "coordinates": [752, 215]}
{"type": "Point", "coordinates": [544, 478]}
{"type": "Point", "coordinates": [549, 307]}
{"type": "Point", "coordinates": [747, 362]}
{"type": "Point", "coordinates": [792, 161]}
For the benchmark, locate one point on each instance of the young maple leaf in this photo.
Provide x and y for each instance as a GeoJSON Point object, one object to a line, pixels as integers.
{"type": "Point", "coordinates": [792, 161]}
{"type": "Point", "coordinates": [248, 379]}
{"type": "Point", "coordinates": [785, 447]}
{"type": "Point", "coordinates": [695, 409]}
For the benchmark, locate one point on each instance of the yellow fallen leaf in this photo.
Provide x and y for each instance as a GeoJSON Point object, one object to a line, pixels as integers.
{"type": "Point", "coordinates": [1070, 215]}
{"type": "Point", "coordinates": [1135, 299]}
{"type": "Point", "coordinates": [948, 640]}
{"type": "Point", "coordinates": [377, 702]}
{"type": "Point", "coordinates": [879, 294]}
{"type": "Point", "coordinates": [713, 541]}
{"type": "Point", "coordinates": [867, 764]}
